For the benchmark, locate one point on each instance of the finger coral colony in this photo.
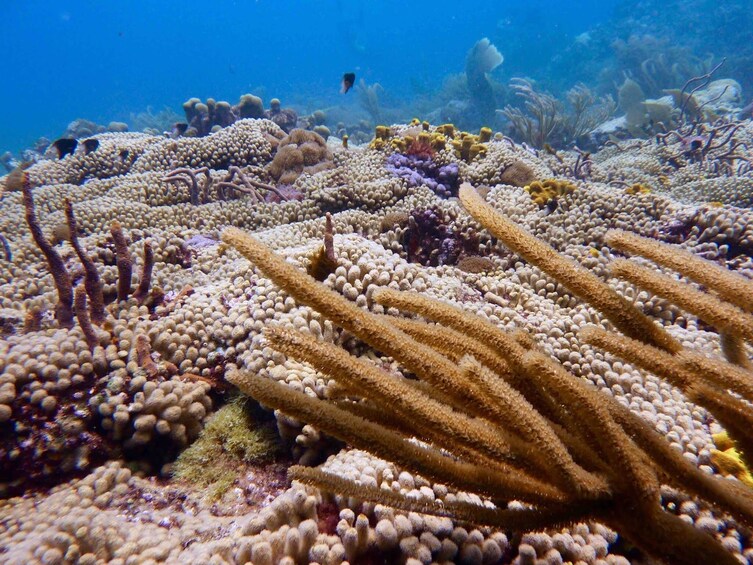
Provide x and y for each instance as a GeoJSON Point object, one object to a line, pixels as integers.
{"type": "Point", "coordinates": [250, 340]}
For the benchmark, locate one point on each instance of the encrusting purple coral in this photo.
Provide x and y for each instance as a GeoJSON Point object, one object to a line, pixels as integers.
{"type": "Point", "coordinates": [421, 170]}
{"type": "Point", "coordinates": [429, 240]}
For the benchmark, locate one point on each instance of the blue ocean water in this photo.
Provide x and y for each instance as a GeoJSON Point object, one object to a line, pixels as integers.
{"type": "Point", "coordinates": [105, 60]}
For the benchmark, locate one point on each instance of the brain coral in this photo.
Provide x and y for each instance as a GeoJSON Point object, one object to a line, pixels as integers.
{"type": "Point", "coordinates": [300, 152]}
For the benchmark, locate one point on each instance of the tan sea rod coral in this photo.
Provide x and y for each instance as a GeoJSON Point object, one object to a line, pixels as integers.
{"type": "Point", "coordinates": [479, 417]}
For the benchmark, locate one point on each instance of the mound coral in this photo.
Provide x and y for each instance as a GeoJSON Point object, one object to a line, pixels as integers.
{"type": "Point", "coordinates": [286, 118]}
{"type": "Point", "coordinates": [208, 117]}
{"type": "Point", "coordinates": [517, 173]}
{"type": "Point", "coordinates": [475, 264]}
{"type": "Point", "coordinates": [250, 106]}
{"type": "Point", "coordinates": [394, 219]}
{"type": "Point", "coordinates": [300, 152]}
{"type": "Point", "coordinates": [205, 118]}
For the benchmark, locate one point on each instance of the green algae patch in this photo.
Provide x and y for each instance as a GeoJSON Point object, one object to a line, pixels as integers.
{"type": "Point", "coordinates": [231, 440]}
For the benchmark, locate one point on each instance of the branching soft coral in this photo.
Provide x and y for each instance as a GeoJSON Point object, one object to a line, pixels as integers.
{"type": "Point", "coordinates": [507, 424]}
{"type": "Point", "coordinates": [546, 120]}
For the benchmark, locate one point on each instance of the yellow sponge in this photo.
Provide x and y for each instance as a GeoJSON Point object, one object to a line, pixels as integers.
{"type": "Point", "coordinates": [727, 459]}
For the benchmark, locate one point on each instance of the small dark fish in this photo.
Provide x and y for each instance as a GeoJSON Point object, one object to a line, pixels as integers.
{"type": "Point", "coordinates": [349, 79]}
{"type": "Point", "coordinates": [551, 206]}
{"type": "Point", "coordinates": [90, 145]}
{"type": "Point", "coordinates": [124, 154]}
{"type": "Point", "coordinates": [179, 129]}
{"type": "Point", "coordinates": [65, 146]}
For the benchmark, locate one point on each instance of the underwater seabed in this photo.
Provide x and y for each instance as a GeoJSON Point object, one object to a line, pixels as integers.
{"type": "Point", "coordinates": [476, 351]}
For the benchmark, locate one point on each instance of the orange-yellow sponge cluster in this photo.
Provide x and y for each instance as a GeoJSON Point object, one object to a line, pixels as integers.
{"type": "Point", "coordinates": [728, 461]}
{"type": "Point", "coordinates": [430, 140]}
{"type": "Point", "coordinates": [467, 146]}
{"type": "Point", "coordinates": [542, 192]}
{"type": "Point", "coordinates": [638, 188]}
{"type": "Point", "coordinates": [423, 142]}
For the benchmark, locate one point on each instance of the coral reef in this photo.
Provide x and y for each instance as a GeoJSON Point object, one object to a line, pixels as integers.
{"type": "Point", "coordinates": [286, 118]}
{"type": "Point", "coordinates": [81, 128]}
{"type": "Point", "coordinates": [122, 438]}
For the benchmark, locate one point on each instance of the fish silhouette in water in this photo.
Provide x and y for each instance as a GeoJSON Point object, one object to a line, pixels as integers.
{"type": "Point", "coordinates": [90, 145]}
{"type": "Point", "coordinates": [551, 206]}
{"type": "Point", "coordinates": [179, 129]}
{"type": "Point", "coordinates": [349, 79]}
{"type": "Point", "coordinates": [65, 146]}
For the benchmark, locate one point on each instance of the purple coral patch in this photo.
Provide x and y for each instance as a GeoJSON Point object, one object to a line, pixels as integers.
{"type": "Point", "coordinates": [419, 170]}
{"type": "Point", "coordinates": [430, 241]}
